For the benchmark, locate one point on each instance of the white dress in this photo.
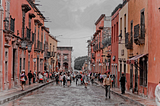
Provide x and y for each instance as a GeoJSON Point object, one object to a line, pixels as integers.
{"type": "Point", "coordinates": [157, 94]}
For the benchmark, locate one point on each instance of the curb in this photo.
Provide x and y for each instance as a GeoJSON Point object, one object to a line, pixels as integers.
{"type": "Point", "coordinates": [22, 93]}
{"type": "Point", "coordinates": [124, 97]}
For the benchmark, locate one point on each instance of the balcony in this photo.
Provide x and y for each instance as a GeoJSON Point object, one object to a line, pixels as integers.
{"type": "Point", "coordinates": [40, 45]}
{"type": "Point", "coordinates": [53, 54]}
{"type": "Point", "coordinates": [26, 34]}
{"type": "Point", "coordinates": [93, 55]}
{"type": "Point", "coordinates": [139, 34]}
{"type": "Point", "coordinates": [95, 48]}
{"type": "Point", "coordinates": [33, 36]}
{"type": "Point", "coordinates": [48, 54]}
{"type": "Point", "coordinates": [37, 46]}
{"type": "Point", "coordinates": [9, 25]}
{"type": "Point", "coordinates": [128, 40]}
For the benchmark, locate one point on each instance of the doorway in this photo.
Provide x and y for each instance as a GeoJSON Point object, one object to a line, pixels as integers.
{"type": "Point", "coordinates": [13, 68]}
{"type": "Point", "coordinates": [131, 76]}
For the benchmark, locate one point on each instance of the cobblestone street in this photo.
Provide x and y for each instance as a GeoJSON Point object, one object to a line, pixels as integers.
{"type": "Point", "coordinates": [53, 95]}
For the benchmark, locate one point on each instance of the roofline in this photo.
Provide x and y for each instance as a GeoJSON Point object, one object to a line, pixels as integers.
{"type": "Point", "coordinates": [100, 18]}
{"type": "Point", "coordinates": [53, 38]}
{"type": "Point", "coordinates": [34, 7]}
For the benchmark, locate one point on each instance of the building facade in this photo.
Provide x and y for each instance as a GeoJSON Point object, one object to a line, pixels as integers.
{"type": "Point", "coordinates": [64, 57]}
{"type": "Point", "coordinates": [24, 38]}
{"type": "Point", "coordinates": [138, 56]}
{"type": "Point", "coordinates": [52, 48]}
{"type": "Point", "coordinates": [123, 44]}
{"type": "Point", "coordinates": [153, 46]}
{"type": "Point", "coordinates": [114, 42]}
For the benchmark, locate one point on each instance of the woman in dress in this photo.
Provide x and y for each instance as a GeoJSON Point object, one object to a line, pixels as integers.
{"type": "Point", "coordinates": [22, 79]}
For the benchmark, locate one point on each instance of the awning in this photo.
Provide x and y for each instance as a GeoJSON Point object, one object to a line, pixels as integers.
{"type": "Point", "coordinates": [132, 60]}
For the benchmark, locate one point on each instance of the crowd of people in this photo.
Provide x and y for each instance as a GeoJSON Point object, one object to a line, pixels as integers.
{"type": "Point", "coordinates": [34, 77]}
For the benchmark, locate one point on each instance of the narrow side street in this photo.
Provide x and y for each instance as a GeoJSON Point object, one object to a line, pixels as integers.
{"type": "Point", "coordinates": [53, 95]}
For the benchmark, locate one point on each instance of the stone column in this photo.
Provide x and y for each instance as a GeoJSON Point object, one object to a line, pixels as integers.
{"type": "Point", "coordinates": [1, 44]}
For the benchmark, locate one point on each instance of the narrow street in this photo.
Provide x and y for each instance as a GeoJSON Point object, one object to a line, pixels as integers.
{"type": "Point", "coordinates": [53, 95]}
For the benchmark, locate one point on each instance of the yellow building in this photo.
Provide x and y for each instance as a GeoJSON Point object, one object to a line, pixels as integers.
{"type": "Point", "coordinates": [52, 52]}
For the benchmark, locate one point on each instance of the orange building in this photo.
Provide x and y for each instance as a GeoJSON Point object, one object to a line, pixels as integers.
{"type": "Point", "coordinates": [153, 46]}
{"type": "Point", "coordinates": [137, 76]}
{"type": "Point", "coordinates": [97, 47]}
{"type": "Point", "coordinates": [23, 41]}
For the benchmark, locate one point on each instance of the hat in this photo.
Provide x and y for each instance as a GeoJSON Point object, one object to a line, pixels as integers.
{"type": "Point", "coordinates": [23, 70]}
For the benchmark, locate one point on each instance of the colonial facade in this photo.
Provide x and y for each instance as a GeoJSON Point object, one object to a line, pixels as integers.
{"type": "Point", "coordinates": [114, 42]}
{"type": "Point", "coordinates": [52, 48]}
{"type": "Point", "coordinates": [124, 44]}
{"type": "Point", "coordinates": [64, 56]}
{"type": "Point", "coordinates": [23, 41]}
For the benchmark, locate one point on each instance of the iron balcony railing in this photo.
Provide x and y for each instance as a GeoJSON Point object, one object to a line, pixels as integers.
{"type": "Point", "coordinates": [9, 24]}
{"type": "Point", "coordinates": [128, 40]}
{"type": "Point", "coordinates": [26, 34]}
{"type": "Point", "coordinates": [139, 34]}
{"type": "Point", "coordinates": [38, 44]}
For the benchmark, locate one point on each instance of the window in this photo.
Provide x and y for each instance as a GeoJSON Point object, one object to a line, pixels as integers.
{"type": "Point", "coordinates": [143, 70]}
{"type": "Point", "coordinates": [142, 24]}
{"type": "Point", "coordinates": [23, 23]}
{"type": "Point", "coordinates": [29, 23]}
{"type": "Point", "coordinates": [7, 8]}
{"type": "Point", "coordinates": [131, 30]}
{"type": "Point", "coordinates": [35, 34]}
{"type": "Point", "coordinates": [38, 32]}
{"type": "Point", "coordinates": [42, 35]}
{"type": "Point", "coordinates": [23, 63]}
{"type": "Point", "coordinates": [20, 67]}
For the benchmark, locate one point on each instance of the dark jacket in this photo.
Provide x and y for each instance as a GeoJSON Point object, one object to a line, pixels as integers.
{"type": "Point", "coordinates": [30, 75]}
{"type": "Point", "coordinates": [122, 80]}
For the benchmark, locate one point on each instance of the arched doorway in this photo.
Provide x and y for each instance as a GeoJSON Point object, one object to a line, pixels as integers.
{"type": "Point", "coordinates": [65, 65]}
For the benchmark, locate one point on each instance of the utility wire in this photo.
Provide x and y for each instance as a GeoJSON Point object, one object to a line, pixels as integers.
{"type": "Point", "coordinates": [76, 38]}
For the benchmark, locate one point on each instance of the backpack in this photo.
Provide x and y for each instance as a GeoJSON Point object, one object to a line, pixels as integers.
{"type": "Point", "coordinates": [64, 78]}
{"type": "Point", "coordinates": [25, 78]}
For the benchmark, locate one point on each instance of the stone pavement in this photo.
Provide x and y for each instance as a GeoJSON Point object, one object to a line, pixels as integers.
{"type": "Point", "coordinates": [8, 95]}
{"type": "Point", "coordinates": [55, 95]}
{"type": "Point", "coordinates": [132, 97]}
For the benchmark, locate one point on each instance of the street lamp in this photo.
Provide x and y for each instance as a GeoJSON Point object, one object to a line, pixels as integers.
{"type": "Point", "coordinates": [29, 47]}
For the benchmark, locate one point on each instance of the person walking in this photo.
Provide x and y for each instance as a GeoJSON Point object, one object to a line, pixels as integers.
{"type": "Point", "coordinates": [60, 78]}
{"type": "Point", "coordinates": [86, 79]}
{"type": "Point", "coordinates": [22, 79]}
{"type": "Point", "coordinates": [157, 94]}
{"type": "Point", "coordinates": [30, 77]}
{"type": "Point", "coordinates": [34, 77]}
{"type": "Point", "coordinates": [123, 83]}
{"type": "Point", "coordinates": [57, 79]}
{"type": "Point", "coordinates": [76, 77]}
{"type": "Point", "coordinates": [68, 80]}
{"type": "Point", "coordinates": [64, 80]}
{"type": "Point", "coordinates": [107, 83]}
{"type": "Point", "coordinates": [40, 76]}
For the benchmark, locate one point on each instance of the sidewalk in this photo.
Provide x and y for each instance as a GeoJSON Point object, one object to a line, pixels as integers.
{"type": "Point", "coordinates": [6, 96]}
{"type": "Point", "coordinates": [131, 97]}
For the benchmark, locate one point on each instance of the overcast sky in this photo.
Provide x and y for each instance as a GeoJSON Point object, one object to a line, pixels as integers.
{"type": "Point", "coordinates": [74, 19]}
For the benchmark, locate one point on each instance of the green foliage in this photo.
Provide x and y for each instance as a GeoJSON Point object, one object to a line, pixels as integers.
{"type": "Point", "coordinates": [78, 62]}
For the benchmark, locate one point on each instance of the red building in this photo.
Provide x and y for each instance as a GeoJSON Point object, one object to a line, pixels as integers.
{"type": "Point", "coordinates": [114, 42]}
{"type": "Point", "coordinates": [97, 47]}
{"type": "Point", "coordinates": [23, 41]}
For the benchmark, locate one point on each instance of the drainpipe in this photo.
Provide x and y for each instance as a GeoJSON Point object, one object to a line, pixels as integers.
{"type": "Point", "coordinates": [1, 44]}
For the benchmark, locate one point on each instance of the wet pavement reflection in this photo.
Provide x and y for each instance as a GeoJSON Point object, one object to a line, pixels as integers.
{"type": "Point", "coordinates": [53, 95]}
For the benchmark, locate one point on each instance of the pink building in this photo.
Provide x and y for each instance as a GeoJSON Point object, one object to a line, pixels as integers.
{"type": "Point", "coordinates": [64, 57]}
